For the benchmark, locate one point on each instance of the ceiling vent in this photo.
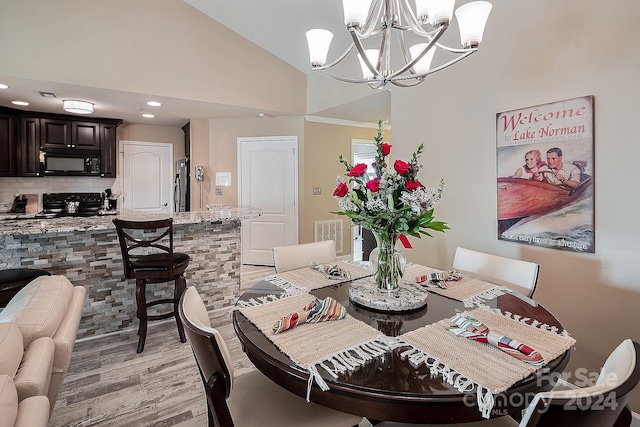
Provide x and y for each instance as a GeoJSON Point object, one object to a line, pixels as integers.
{"type": "Point", "coordinates": [48, 94]}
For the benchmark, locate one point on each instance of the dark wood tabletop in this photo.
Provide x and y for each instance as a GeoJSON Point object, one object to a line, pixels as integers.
{"type": "Point", "coordinates": [388, 387]}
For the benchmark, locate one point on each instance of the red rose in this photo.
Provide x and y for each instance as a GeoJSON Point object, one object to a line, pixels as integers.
{"type": "Point", "coordinates": [401, 167]}
{"type": "Point", "coordinates": [358, 170]}
{"type": "Point", "coordinates": [341, 190]}
{"type": "Point", "coordinates": [413, 185]}
{"type": "Point", "coordinates": [374, 185]}
{"type": "Point", "coordinates": [386, 149]}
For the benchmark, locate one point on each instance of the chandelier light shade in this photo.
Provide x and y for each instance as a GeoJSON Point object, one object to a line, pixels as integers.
{"type": "Point", "coordinates": [77, 107]}
{"type": "Point", "coordinates": [372, 23]}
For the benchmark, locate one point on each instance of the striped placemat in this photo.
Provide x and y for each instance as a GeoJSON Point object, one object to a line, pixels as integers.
{"type": "Point", "coordinates": [468, 364]}
{"type": "Point", "coordinates": [308, 278]}
{"type": "Point", "coordinates": [470, 291]}
{"type": "Point", "coordinates": [335, 346]}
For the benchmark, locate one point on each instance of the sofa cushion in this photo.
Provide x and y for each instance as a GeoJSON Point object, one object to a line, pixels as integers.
{"type": "Point", "coordinates": [11, 345]}
{"type": "Point", "coordinates": [33, 412]}
{"type": "Point", "coordinates": [39, 307]}
{"type": "Point", "coordinates": [8, 402]}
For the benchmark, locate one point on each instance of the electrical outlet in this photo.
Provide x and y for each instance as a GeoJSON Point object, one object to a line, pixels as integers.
{"type": "Point", "coordinates": [316, 191]}
{"type": "Point", "coordinates": [218, 191]}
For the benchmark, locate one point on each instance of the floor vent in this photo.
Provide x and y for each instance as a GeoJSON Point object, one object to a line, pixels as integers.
{"type": "Point", "coordinates": [329, 230]}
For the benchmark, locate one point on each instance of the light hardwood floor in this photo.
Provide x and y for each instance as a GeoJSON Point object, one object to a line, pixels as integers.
{"type": "Point", "coordinates": [109, 384]}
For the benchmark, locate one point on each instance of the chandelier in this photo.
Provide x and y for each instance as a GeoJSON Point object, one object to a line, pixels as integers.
{"type": "Point", "coordinates": [377, 19]}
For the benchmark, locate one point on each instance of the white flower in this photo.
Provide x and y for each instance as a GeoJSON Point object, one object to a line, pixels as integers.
{"type": "Point", "coordinates": [346, 204]}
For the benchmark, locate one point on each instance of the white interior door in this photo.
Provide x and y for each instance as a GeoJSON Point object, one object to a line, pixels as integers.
{"type": "Point", "coordinates": [268, 179]}
{"type": "Point", "coordinates": [147, 177]}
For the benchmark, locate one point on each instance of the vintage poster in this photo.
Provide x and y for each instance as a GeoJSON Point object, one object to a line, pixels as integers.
{"type": "Point", "coordinates": [545, 175]}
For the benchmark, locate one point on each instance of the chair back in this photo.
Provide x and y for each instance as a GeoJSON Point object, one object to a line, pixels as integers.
{"type": "Point", "coordinates": [211, 354]}
{"type": "Point", "coordinates": [147, 248]}
{"type": "Point", "coordinates": [513, 273]}
{"type": "Point", "coordinates": [297, 256]}
{"type": "Point", "coordinates": [600, 405]}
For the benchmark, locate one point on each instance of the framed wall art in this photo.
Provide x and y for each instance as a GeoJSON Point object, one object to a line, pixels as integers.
{"type": "Point", "coordinates": [545, 175]}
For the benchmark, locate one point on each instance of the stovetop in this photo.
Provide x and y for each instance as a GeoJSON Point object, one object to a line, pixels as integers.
{"type": "Point", "coordinates": [55, 205]}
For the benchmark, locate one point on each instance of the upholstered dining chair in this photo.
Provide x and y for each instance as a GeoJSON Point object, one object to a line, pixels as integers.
{"type": "Point", "coordinates": [148, 257]}
{"type": "Point", "coordinates": [251, 399]}
{"type": "Point", "coordinates": [519, 275]}
{"type": "Point", "coordinates": [297, 256]}
{"type": "Point", "coordinates": [601, 405]}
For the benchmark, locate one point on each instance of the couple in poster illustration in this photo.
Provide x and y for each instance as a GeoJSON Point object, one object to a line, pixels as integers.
{"type": "Point", "coordinates": [545, 175]}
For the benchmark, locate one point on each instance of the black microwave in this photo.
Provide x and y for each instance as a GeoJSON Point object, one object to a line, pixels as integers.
{"type": "Point", "coordinates": [69, 162]}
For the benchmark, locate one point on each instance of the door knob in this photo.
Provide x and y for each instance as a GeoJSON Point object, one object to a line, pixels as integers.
{"type": "Point", "coordinates": [166, 204]}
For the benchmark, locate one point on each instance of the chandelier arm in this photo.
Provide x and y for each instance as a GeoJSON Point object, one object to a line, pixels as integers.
{"type": "Point", "coordinates": [411, 19]}
{"type": "Point", "coordinates": [346, 79]}
{"type": "Point", "coordinates": [340, 58]}
{"type": "Point", "coordinates": [441, 67]}
{"type": "Point", "coordinates": [373, 18]}
{"type": "Point", "coordinates": [455, 50]}
{"type": "Point", "coordinates": [413, 62]}
{"type": "Point", "coordinates": [402, 84]}
{"type": "Point", "coordinates": [363, 56]}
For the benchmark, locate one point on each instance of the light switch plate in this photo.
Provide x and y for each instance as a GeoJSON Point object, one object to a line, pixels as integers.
{"type": "Point", "coordinates": [316, 191]}
{"type": "Point", "coordinates": [218, 191]}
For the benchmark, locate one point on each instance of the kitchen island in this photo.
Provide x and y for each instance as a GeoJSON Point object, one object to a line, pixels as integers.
{"type": "Point", "coordinates": [87, 252]}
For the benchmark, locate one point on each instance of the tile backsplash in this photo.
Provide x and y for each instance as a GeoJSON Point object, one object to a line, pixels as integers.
{"type": "Point", "coordinates": [9, 187]}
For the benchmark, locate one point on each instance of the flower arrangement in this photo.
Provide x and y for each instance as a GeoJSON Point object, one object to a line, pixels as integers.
{"type": "Point", "coordinates": [392, 203]}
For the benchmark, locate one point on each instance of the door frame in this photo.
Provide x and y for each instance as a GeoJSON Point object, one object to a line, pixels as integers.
{"type": "Point", "coordinates": [296, 198]}
{"type": "Point", "coordinates": [121, 176]}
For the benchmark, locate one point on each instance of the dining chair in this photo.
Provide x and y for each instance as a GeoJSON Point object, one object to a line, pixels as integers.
{"type": "Point", "coordinates": [148, 257]}
{"type": "Point", "coordinates": [602, 405]}
{"type": "Point", "coordinates": [519, 275]}
{"type": "Point", "coordinates": [297, 256]}
{"type": "Point", "coordinates": [251, 399]}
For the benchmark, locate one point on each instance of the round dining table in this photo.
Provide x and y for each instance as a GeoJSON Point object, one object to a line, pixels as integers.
{"type": "Point", "coordinates": [389, 388]}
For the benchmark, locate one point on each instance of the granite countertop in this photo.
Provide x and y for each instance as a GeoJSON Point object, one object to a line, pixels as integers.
{"type": "Point", "coordinates": [21, 224]}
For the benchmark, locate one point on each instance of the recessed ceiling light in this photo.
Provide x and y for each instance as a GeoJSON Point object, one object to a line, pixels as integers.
{"type": "Point", "coordinates": [147, 115]}
{"type": "Point", "coordinates": [20, 103]}
{"type": "Point", "coordinates": [154, 104]}
{"type": "Point", "coordinates": [3, 86]}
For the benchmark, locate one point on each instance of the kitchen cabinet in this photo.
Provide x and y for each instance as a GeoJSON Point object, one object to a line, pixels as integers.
{"type": "Point", "coordinates": [108, 150]}
{"type": "Point", "coordinates": [29, 146]}
{"type": "Point", "coordinates": [55, 133]}
{"type": "Point", "coordinates": [69, 134]}
{"type": "Point", "coordinates": [24, 133]}
{"type": "Point", "coordinates": [8, 146]}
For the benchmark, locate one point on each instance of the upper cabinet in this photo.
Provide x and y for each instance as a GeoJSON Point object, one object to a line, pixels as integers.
{"type": "Point", "coordinates": [8, 158]}
{"type": "Point", "coordinates": [24, 134]}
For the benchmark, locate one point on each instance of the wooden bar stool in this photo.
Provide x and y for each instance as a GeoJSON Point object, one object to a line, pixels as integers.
{"type": "Point", "coordinates": [149, 258]}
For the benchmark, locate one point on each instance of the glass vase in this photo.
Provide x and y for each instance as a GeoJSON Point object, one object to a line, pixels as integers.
{"type": "Point", "coordinates": [387, 262]}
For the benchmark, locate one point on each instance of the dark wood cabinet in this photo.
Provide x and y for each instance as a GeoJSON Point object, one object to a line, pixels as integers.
{"type": "Point", "coordinates": [29, 146]}
{"type": "Point", "coordinates": [24, 133]}
{"type": "Point", "coordinates": [55, 133]}
{"type": "Point", "coordinates": [8, 146]}
{"type": "Point", "coordinates": [85, 135]}
{"type": "Point", "coordinates": [108, 150]}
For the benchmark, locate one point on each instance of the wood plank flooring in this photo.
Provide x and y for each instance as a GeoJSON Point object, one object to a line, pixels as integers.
{"type": "Point", "coordinates": [109, 384]}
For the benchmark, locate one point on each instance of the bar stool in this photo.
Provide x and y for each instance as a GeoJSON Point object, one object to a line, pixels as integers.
{"type": "Point", "coordinates": [149, 258]}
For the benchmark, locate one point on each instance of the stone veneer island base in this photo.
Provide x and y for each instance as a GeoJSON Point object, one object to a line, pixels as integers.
{"type": "Point", "coordinates": [87, 252]}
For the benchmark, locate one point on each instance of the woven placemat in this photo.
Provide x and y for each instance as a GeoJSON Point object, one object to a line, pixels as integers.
{"type": "Point", "coordinates": [308, 343]}
{"type": "Point", "coordinates": [308, 278]}
{"type": "Point", "coordinates": [466, 363]}
{"type": "Point", "coordinates": [470, 291]}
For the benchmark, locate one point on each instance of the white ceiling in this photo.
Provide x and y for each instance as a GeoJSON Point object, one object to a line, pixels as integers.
{"type": "Point", "coordinates": [278, 26]}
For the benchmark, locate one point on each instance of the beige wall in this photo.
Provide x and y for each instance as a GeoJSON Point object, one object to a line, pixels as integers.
{"type": "Point", "coordinates": [221, 156]}
{"type": "Point", "coordinates": [159, 47]}
{"type": "Point", "coordinates": [149, 133]}
{"type": "Point", "coordinates": [323, 144]}
{"type": "Point", "coordinates": [534, 53]}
